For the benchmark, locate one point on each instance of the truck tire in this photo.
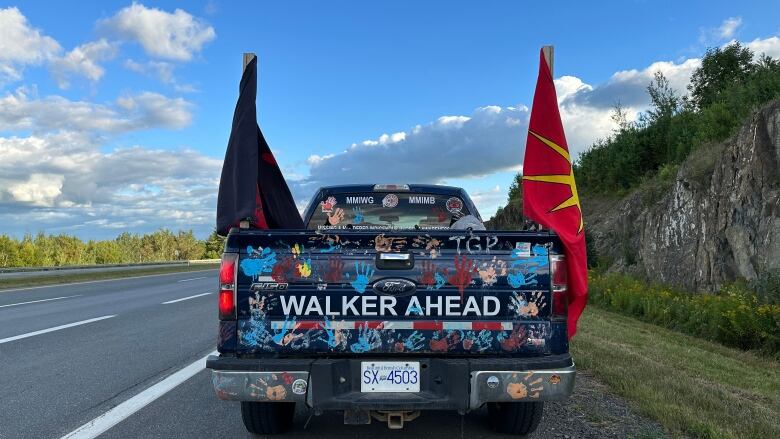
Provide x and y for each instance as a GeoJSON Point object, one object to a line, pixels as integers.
{"type": "Point", "coordinates": [519, 418]}
{"type": "Point", "coordinates": [267, 417]}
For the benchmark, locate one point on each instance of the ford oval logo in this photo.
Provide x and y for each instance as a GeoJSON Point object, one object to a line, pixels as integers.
{"type": "Point", "coordinates": [395, 287]}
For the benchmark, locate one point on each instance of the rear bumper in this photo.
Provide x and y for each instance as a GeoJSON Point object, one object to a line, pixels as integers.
{"type": "Point", "coordinates": [445, 383]}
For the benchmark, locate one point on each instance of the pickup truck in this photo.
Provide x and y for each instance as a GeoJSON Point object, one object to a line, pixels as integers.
{"type": "Point", "coordinates": [394, 300]}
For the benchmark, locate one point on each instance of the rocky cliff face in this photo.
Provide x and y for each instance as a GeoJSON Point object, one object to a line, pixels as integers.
{"type": "Point", "coordinates": [716, 220]}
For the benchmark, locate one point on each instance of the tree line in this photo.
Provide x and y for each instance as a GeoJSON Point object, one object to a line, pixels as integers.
{"type": "Point", "coordinates": [728, 86]}
{"type": "Point", "coordinates": [55, 250]}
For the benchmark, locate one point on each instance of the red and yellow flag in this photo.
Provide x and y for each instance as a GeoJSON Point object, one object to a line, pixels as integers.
{"type": "Point", "coordinates": [549, 190]}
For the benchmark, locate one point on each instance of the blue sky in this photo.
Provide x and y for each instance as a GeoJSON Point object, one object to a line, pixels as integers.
{"type": "Point", "coordinates": [114, 115]}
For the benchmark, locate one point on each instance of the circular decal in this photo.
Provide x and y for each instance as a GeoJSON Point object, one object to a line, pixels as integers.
{"type": "Point", "coordinates": [327, 205]}
{"type": "Point", "coordinates": [454, 205]}
{"type": "Point", "coordinates": [390, 200]}
{"type": "Point", "coordinates": [492, 382]}
{"type": "Point", "coordinates": [299, 386]}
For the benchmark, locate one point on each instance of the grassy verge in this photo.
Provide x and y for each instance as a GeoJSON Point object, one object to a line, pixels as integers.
{"type": "Point", "coordinates": [81, 277]}
{"type": "Point", "coordinates": [693, 387]}
{"type": "Point", "coordinates": [735, 316]}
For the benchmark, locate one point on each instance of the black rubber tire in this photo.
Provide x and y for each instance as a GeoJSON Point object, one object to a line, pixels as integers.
{"type": "Point", "coordinates": [267, 417]}
{"type": "Point", "coordinates": [520, 418]}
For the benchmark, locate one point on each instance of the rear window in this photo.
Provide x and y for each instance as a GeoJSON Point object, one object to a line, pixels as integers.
{"type": "Point", "coordinates": [387, 211]}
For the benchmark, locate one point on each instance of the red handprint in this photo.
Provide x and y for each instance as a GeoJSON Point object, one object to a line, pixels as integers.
{"type": "Point", "coordinates": [428, 277]}
{"type": "Point", "coordinates": [446, 343]}
{"type": "Point", "coordinates": [335, 270]}
{"type": "Point", "coordinates": [464, 271]}
{"type": "Point", "coordinates": [281, 271]}
{"type": "Point", "coordinates": [515, 340]}
{"type": "Point", "coordinates": [439, 345]}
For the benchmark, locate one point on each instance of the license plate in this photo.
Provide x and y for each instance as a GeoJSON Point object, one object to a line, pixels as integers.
{"type": "Point", "coordinates": [389, 376]}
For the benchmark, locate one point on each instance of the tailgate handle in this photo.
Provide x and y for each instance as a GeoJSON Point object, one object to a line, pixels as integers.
{"type": "Point", "coordinates": [394, 261]}
{"type": "Point", "coordinates": [395, 256]}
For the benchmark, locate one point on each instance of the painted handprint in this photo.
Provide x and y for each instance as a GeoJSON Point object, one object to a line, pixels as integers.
{"type": "Point", "coordinates": [464, 270]}
{"type": "Point", "coordinates": [281, 271]}
{"type": "Point", "coordinates": [357, 215]}
{"type": "Point", "coordinates": [488, 274]}
{"type": "Point", "coordinates": [303, 268]}
{"type": "Point", "coordinates": [440, 280]}
{"type": "Point", "coordinates": [259, 261]}
{"type": "Point", "coordinates": [368, 340]}
{"type": "Point", "coordinates": [518, 279]}
{"type": "Point", "coordinates": [335, 270]}
{"type": "Point", "coordinates": [428, 275]}
{"type": "Point", "coordinates": [384, 243]}
{"type": "Point", "coordinates": [516, 339]}
{"type": "Point", "coordinates": [535, 303]}
{"type": "Point", "coordinates": [363, 273]}
{"type": "Point", "coordinates": [414, 342]}
{"type": "Point", "coordinates": [335, 217]}
{"type": "Point", "coordinates": [528, 307]}
{"type": "Point", "coordinates": [282, 337]}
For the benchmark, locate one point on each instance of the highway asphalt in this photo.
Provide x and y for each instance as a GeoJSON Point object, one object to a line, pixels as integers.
{"type": "Point", "coordinates": [77, 356]}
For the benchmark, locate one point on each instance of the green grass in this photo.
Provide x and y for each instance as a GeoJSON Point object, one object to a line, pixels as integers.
{"type": "Point", "coordinates": [81, 277]}
{"type": "Point", "coordinates": [693, 387]}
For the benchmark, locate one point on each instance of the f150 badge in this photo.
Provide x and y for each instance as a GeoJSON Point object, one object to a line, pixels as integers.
{"type": "Point", "coordinates": [268, 286]}
{"type": "Point", "coordinates": [395, 287]}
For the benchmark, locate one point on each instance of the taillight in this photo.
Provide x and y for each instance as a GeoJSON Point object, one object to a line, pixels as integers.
{"type": "Point", "coordinates": [559, 281]}
{"type": "Point", "coordinates": [228, 273]}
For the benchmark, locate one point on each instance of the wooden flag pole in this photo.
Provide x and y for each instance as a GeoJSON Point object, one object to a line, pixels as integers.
{"type": "Point", "coordinates": [548, 56]}
{"type": "Point", "coordinates": [248, 57]}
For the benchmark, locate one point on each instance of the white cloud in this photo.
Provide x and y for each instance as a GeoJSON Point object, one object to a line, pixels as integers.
{"type": "Point", "coordinates": [64, 180]}
{"type": "Point", "coordinates": [729, 27]}
{"type": "Point", "coordinates": [21, 44]}
{"type": "Point", "coordinates": [490, 197]}
{"type": "Point", "coordinates": [38, 189]}
{"type": "Point", "coordinates": [175, 36]}
{"type": "Point", "coordinates": [163, 71]}
{"type": "Point", "coordinates": [766, 46]}
{"type": "Point", "coordinates": [714, 35]}
{"type": "Point", "coordinates": [492, 139]}
{"type": "Point", "coordinates": [83, 60]}
{"type": "Point", "coordinates": [19, 111]}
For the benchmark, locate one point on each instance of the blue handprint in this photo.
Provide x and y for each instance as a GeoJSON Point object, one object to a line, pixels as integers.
{"type": "Point", "coordinates": [440, 280]}
{"type": "Point", "coordinates": [357, 213]}
{"type": "Point", "coordinates": [259, 262]}
{"type": "Point", "coordinates": [368, 339]}
{"type": "Point", "coordinates": [330, 332]}
{"type": "Point", "coordinates": [414, 341]}
{"type": "Point", "coordinates": [279, 335]}
{"type": "Point", "coordinates": [363, 273]}
{"type": "Point", "coordinates": [519, 279]}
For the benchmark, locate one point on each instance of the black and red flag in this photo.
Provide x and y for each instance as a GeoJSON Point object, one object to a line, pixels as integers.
{"type": "Point", "coordinates": [549, 190]}
{"type": "Point", "coordinates": [252, 186]}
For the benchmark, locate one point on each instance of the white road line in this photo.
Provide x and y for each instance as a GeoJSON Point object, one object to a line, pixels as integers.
{"type": "Point", "coordinates": [185, 298]}
{"type": "Point", "coordinates": [100, 280]}
{"type": "Point", "coordinates": [38, 301]}
{"type": "Point", "coordinates": [56, 328]}
{"type": "Point", "coordinates": [194, 278]}
{"type": "Point", "coordinates": [102, 423]}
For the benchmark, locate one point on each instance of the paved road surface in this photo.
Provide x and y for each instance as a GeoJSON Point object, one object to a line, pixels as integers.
{"type": "Point", "coordinates": [78, 353]}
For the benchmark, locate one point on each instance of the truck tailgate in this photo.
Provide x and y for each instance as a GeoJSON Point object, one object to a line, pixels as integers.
{"type": "Point", "coordinates": [480, 293]}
